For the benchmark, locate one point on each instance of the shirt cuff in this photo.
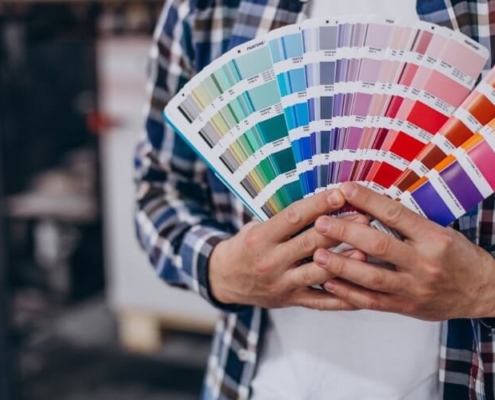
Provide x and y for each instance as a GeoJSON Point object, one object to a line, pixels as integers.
{"type": "Point", "coordinates": [196, 251]}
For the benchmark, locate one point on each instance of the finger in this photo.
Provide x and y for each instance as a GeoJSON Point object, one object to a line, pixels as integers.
{"type": "Point", "coordinates": [388, 211]}
{"type": "Point", "coordinates": [362, 274]}
{"type": "Point", "coordinates": [365, 299]}
{"type": "Point", "coordinates": [306, 243]}
{"type": "Point", "coordinates": [356, 217]}
{"type": "Point", "coordinates": [364, 238]}
{"type": "Point", "coordinates": [356, 255]}
{"type": "Point", "coordinates": [306, 275]}
{"type": "Point", "coordinates": [302, 213]}
{"type": "Point", "coordinates": [321, 300]}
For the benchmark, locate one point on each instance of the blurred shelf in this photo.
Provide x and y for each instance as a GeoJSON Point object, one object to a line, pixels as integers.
{"type": "Point", "coordinates": [16, 2]}
{"type": "Point", "coordinates": [108, 17]}
{"type": "Point", "coordinates": [71, 207]}
{"type": "Point", "coordinates": [141, 331]}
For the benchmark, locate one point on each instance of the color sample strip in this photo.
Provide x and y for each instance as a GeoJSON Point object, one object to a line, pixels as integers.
{"type": "Point", "coordinates": [410, 63]}
{"type": "Point", "coordinates": [458, 183]}
{"type": "Point", "coordinates": [235, 108]}
{"type": "Point", "coordinates": [444, 89]}
{"type": "Point", "coordinates": [476, 111]}
{"type": "Point", "coordinates": [428, 46]}
{"type": "Point", "coordinates": [333, 56]}
{"type": "Point", "coordinates": [375, 73]}
{"type": "Point", "coordinates": [321, 39]}
{"type": "Point", "coordinates": [286, 48]}
{"type": "Point", "coordinates": [346, 93]}
{"type": "Point", "coordinates": [351, 37]}
{"type": "Point", "coordinates": [332, 98]}
{"type": "Point", "coordinates": [371, 62]}
{"type": "Point", "coordinates": [398, 56]}
{"type": "Point", "coordinates": [262, 153]}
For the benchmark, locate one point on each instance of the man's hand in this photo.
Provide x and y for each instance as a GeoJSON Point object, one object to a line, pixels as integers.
{"type": "Point", "coordinates": [439, 274]}
{"type": "Point", "coordinates": [260, 266]}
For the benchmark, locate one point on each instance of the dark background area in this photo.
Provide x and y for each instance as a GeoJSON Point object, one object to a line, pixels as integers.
{"type": "Point", "coordinates": [59, 338]}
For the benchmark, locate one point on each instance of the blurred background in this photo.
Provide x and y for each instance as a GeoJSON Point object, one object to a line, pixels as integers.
{"type": "Point", "coordinates": [82, 315]}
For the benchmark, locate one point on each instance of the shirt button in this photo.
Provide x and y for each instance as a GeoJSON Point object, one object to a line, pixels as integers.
{"type": "Point", "coordinates": [243, 355]}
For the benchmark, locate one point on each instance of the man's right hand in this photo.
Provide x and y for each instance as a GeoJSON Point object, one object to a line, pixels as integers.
{"type": "Point", "coordinates": [261, 265]}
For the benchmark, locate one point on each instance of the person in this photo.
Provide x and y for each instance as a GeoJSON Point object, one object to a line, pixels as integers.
{"type": "Point", "coordinates": [422, 331]}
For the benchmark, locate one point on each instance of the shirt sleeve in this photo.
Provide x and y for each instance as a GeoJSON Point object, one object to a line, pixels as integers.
{"type": "Point", "coordinates": [488, 324]}
{"type": "Point", "coordinates": [174, 221]}
{"type": "Point", "coordinates": [471, 225]}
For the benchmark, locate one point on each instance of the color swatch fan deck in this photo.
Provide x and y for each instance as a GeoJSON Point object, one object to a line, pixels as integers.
{"type": "Point", "coordinates": [392, 105]}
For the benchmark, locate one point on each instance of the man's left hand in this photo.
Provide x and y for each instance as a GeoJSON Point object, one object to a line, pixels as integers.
{"type": "Point", "coordinates": [439, 274]}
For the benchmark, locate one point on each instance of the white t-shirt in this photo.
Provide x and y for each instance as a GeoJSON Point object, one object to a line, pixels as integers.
{"type": "Point", "coordinates": [364, 355]}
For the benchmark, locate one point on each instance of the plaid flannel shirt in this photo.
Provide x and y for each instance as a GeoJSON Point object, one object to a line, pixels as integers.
{"type": "Point", "coordinates": [183, 210]}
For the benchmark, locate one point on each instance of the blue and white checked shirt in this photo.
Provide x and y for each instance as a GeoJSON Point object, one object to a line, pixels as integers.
{"type": "Point", "coordinates": [183, 210]}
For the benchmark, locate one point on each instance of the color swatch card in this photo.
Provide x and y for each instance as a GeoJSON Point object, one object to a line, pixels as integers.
{"type": "Point", "coordinates": [443, 88]}
{"type": "Point", "coordinates": [234, 109]}
{"type": "Point", "coordinates": [287, 50]}
{"type": "Point", "coordinates": [458, 183]}
{"type": "Point", "coordinates": [362, 99]}
{"type": "Point", "coordinates": [475, 112]}
{"type": "Point", "coordinates": [343, 62]}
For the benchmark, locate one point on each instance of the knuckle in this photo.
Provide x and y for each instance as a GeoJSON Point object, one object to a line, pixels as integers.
{"type": "Point", "coordinates": [271, 262]}
{"type": "Point", "coordinates": [306, 277]}
{"type": "Point", "coordinates": [362, 219]}
{"type": "Point", "coordinates": [292, 214]}
{"type": "Point", "coordinates": [444, 241]}
{"type": "Point", "coordinates": [373, 303]}
{"type": "Point", "coordinates": [425, 293]}
{"type": "Point", "coordinates": [393, 213]}
{"type": "Point", "coordinates": [338, 229]}
{"type": "Point", "coordinates": [279, 297]}
{"type": "Point", "coordinates": [433, 273]}
{"type": "Point", "coordinates": [275, 302]}
{"type": "Point", "coordinates": [376, 281]}
{"type": "Point", "coordinates": [251, 225]}
{"type": "Point", "coordinates": [362, 195]}
{"type": "Point", "coordinates": [279, 289]}
{"type": "Point", "coordinates": [341, 265]}
{"type": "Point", "coordinates": [291, 299]}
{"type": "Point", "coordinates": [265, 266]}
{"type": "Point", "coordinates": [307, 243]}
{"type": "Point", "coordinates": [320, 203]}
{"type": "Point", "coordinates": [342, 305]}
{"type": "Point", "coordinates": [318, 305]}
{"type": "Point", "coordinates": [345, 294]}
{"type": "Point", "coordinates": [414, 309]}
{"type": "Point", "coordinates": [380, 246]}
{"type": "Point", "coordinates": [407, 308]}
{"type": "Point", "coordinates": [252, 239]}
{"type": "Point", "coordinates": [337, 265]}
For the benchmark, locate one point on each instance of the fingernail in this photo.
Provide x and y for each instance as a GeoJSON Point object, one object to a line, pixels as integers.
{"type": "Point", "coordinates": [322, 258]}
{"type": "Point", "coordinates": [330, 286]}
{"type": "Point", "coordinates": [348, 189]}
{"type": "Point", "coordinates": [334, 199]}
{"type": "Point", "coordinates": [322, 224]}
